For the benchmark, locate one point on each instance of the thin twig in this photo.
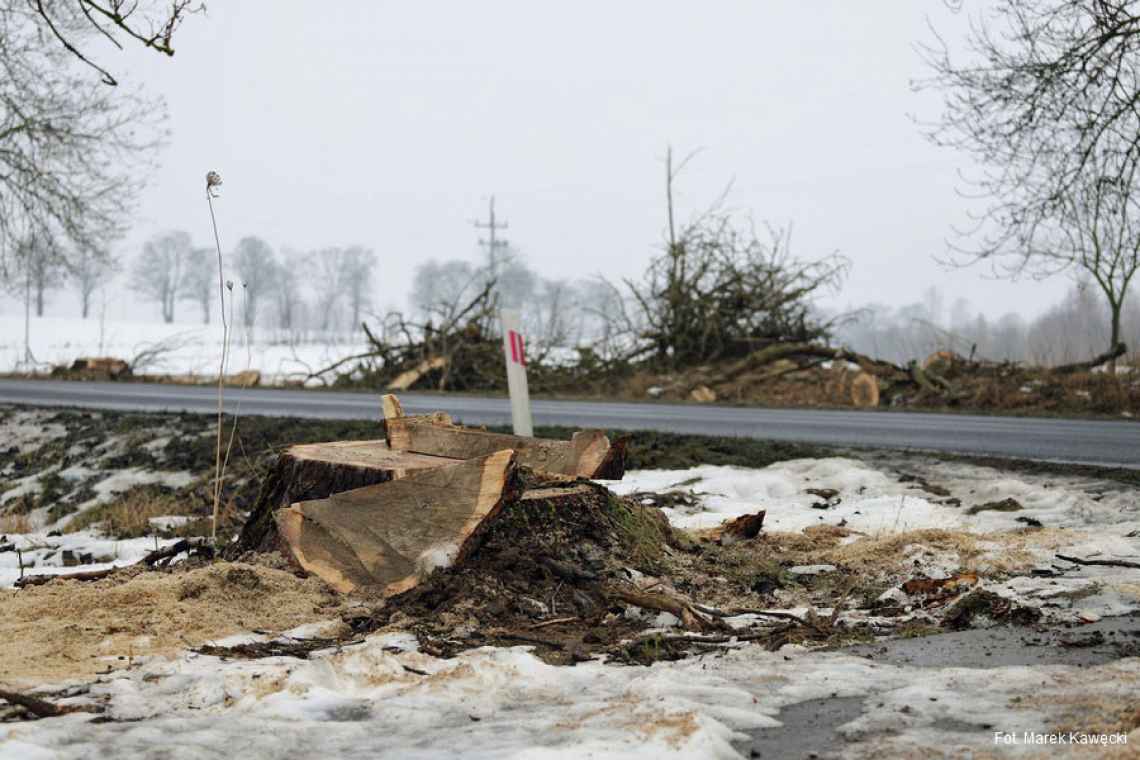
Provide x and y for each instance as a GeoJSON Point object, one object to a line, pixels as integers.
{"type": "Point", "coordinates": [556, 621]}
{"type": "Point", "coordinates": [1101, 562]}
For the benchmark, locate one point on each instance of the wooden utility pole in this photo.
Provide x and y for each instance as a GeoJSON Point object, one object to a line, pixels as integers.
{"type": "Point", "coordinates": [492, 243]}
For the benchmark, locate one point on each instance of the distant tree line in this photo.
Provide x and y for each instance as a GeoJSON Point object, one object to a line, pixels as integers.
{"type": "Point", "coordinates": [326, 289]}
{"type": "Point", "coordinates": [1069, 331]}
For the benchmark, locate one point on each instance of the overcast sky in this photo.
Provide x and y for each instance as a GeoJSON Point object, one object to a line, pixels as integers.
{"type": "Point", "coordinates": [390, 124]}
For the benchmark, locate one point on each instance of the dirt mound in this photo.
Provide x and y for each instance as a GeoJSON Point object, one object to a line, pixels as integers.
{"type": "Point", "coordinates": [545, 574]}
{"type": "Point", "coordinates": [72, 629]}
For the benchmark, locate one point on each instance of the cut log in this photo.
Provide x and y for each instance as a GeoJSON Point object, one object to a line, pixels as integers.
{"type": "Point", "coordinates": [702, 394]}
{"type": "Point", "coordinates": [390, 406]}
{"type": "Point", "coordinates": [865, 390]}
{"type": "Point", "coordinates": [387, 537]}
{"type": "Point", "coordinates": [408, 378]}
{"type": "Point", "coordinates": [248, 378]}
{"type": "Point", "coordinates": [942, 362]}
{"type": "Point", "coordinates": [318, 470]}
{"type": "Point", "coordinates": [588, 454]}
{"type": "Point", "coordinates": [96, 367]}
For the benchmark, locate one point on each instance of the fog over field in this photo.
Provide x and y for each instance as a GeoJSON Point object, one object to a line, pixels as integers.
{"type": "Point", "coordinates": [396, 133]}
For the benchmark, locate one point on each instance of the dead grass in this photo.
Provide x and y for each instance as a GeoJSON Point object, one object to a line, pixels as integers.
{"type": "Point", "coordinates": [986, 554]}
{"type": "Point", "coordinates": [15, 523]}
{"type": "Point", "coordinates": [129, 515]}
{"type": "Point", "coordinates": [71, 629]}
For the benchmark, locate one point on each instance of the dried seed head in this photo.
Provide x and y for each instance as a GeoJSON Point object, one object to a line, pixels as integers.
{"type": "Point", "coordinates": [229, 284]}
{"type": "Point", "coordinates": [213, 180]}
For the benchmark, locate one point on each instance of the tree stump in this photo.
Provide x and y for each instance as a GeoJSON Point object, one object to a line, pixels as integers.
{"type": "Point", "coordinates": [389, 536]}
{"type": "Point", "coordinates": [318, 470]}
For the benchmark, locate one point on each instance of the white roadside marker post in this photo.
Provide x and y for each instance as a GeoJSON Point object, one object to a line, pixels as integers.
{"type": "Point", "coordinates": [514, 349]}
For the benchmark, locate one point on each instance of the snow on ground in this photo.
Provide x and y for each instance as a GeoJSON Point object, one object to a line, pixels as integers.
{"type": "Point", "coordinates": [26, 431]}
{"type": "Point", "coordinates": [104, 472]}
{"type": "Point", "coordinates": [1095, 521]}
{"type": "Point", "coordinates": [873, 500]}
{"type": "Point", "coordinates": [368, 700]}
{"type": "Point", "coordinates": [187, 348]}
{"type": "Point", "coordinates": [372, 698]}
{"type": "Point", "coordinates": [41, 554]}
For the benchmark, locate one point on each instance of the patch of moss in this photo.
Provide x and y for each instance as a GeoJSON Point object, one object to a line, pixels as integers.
{"type": "Point", "coordinates": [644, 533]}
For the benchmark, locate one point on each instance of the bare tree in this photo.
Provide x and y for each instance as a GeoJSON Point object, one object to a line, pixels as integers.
{"type": "Point", "coordinates": [327, 266]}
{"type": "Point", "coordinates": [436, 285]}
{"type": "Point", "coordinates": [356, 265]}
{"type": "Point", "coordinates": [1048, 101]}
{"type": "Point", "coordinates": [44, 271]}
{"type": "Point", "coordinates": [289, 300]}
{"type": "Point", "coordinates": [199, 281]}
{"type": "Point", "coordinates": [89, 270]}
{"type": "Point", "coordinates": [257, 267]}
{"type": "Point", "coordinates": [1037, 70]}
{"type": "Point", "coordinates": [159, 273]}
{"type": "Point", "coordinates": [149, 23]}
{"type": "Point", "coordinates": [1098, 234]}
{"type": "Point", "coordinates": [72, 153]}
{"type": "Point", "coordinates": [718, 289]}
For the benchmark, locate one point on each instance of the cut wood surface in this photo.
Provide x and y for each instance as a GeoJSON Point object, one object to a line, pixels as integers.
{"type": "Point", "coordinates": [588, 454]}
{"type": "Point", "coordinates": [387, 537]}
{"type": "Point", "coordinates": [408, 378]}
{"type": "Point", "coordinates": [865, 390]}
{"type": "Point", "coordinates": [317, 470]}
{"type": "Point", "coordinates": [390, 406]}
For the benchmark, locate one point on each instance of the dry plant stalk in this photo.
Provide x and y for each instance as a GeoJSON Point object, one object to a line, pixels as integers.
{"type": "Point", "coordinates": [213, 180]}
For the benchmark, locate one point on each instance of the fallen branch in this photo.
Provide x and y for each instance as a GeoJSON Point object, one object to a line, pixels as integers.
{"type": "Point", "coordinates": [42, 708]}
{"type": "Point", "coordinates": [691, 617]}
{"type": "Point", "coordinates": [1117, 351]}
{"type": "Point", "coordinates": [168, 552]}
{"type": "Point", "coordinates": [42, 578]}
{"type": "Point", "coordinates": [929, 381]}
{"type": "Point", "coordinates": [1102, 562]}
{"type": "Point", "coordinates": [299, 648]}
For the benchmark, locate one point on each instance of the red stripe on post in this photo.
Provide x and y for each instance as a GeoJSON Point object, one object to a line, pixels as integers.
{"type": "Point", "coordinates": [511, 335]}
{"type": "Point", "coordinates": [522, 350]}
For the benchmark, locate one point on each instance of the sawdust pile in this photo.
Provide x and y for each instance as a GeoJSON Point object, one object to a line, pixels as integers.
{"type": "Point", "coordinates": [71, 629]}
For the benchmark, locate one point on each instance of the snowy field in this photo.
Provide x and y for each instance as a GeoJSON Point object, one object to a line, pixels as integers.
{"type": "Point", "coordinates": [183, 348]}
{"type": "Point", "coordinates": [384, 697]}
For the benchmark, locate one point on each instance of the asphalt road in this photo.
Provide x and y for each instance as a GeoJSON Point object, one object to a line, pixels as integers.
{"type": "Point", "coordinates": [1100, 442]}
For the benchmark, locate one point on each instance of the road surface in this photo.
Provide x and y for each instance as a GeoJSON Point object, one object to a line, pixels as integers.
{"type": "Point", "coordinates": [1103, 442]}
